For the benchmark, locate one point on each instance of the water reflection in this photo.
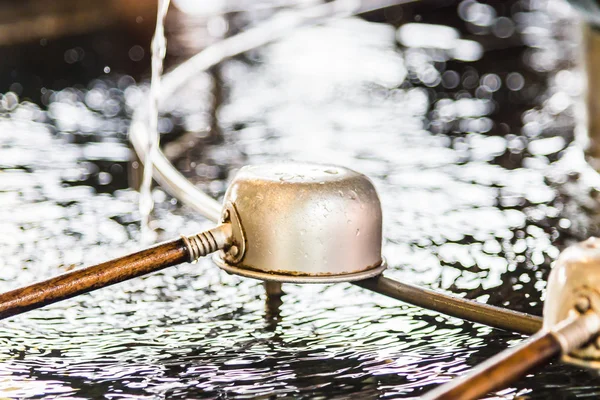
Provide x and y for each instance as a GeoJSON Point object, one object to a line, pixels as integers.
{"type": "Point", "coordinates": [463, 153]}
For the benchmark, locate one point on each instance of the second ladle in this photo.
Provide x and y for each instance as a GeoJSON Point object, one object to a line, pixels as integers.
{"type": "Point", "coordinates": [571, 327]}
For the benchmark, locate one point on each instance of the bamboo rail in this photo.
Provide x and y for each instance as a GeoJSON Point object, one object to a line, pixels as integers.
{"type": "Point", "coordinates": [91, 278]}
{"type": "Point", "coordinates": [511, 364]}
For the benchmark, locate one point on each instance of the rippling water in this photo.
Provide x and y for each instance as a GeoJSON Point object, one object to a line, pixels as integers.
{"type": "Point", "coordinates": [469, 160]}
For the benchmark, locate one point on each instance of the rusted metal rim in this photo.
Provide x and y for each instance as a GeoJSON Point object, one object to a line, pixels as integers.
{"type": "Point", "coordinates": [286, 278]}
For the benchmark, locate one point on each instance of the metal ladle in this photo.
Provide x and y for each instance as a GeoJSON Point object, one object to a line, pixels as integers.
{"type": "Point", "coordinates": [178, 186]}
{"type": "Point", "coordinates": [292, 222]}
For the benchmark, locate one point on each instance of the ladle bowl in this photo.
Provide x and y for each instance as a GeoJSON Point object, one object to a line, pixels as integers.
{"type": "Point", "coordinates": [303, 223]}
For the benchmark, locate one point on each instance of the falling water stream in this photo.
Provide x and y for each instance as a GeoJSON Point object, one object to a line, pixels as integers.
{"type": "Point", "coordinates": [158, 50]}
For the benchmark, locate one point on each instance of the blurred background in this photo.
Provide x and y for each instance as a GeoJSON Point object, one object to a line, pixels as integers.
{"type": "Point", "coordinates": [464, 113]}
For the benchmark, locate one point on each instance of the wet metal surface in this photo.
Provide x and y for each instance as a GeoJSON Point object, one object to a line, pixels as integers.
{"type": "Point", "coordinates": [463, 143]}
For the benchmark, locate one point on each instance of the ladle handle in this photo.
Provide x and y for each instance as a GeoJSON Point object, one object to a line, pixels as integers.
{"type": "Point", "coordinates": [91, 278]}
{"type": "Point", "coordinates": [451, 305]}
{"type": "Point", "coordinates": [502, 369]}
{"type": "Point", "coordinates": [108, 273]}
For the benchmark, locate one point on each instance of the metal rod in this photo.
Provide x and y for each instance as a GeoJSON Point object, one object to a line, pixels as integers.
{"type": "Point", "coordinates": [186, 249]}
{"type": "Point", "coordinates": [273, 289]}
{"type": "Point", "coordinates": [511, 364]}
{"type": "Point", "coordinates": [450, 305]}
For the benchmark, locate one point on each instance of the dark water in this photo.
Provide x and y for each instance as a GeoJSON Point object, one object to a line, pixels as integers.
{"type": "Point", "coordinates": [469, 157]}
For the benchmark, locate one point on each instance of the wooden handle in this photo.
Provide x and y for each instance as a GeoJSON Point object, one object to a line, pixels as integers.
{"type": "Point", "coordinates": [91, 278]}
{"type": "Point", "coordinates": [499, 371]}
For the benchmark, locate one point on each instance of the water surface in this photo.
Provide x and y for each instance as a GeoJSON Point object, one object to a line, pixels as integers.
{"type": "Point", "coordinates": [464, 135]}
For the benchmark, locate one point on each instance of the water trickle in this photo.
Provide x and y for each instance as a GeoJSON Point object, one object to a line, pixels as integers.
{"type": "Point", "coordinates": [159, 50]}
